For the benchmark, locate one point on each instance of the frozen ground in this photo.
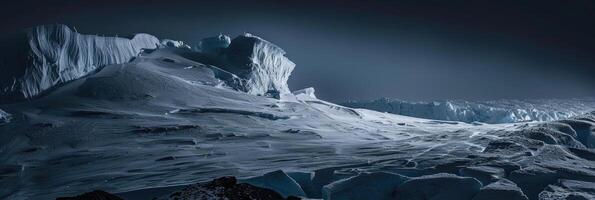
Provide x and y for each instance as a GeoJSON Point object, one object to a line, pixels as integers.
{"type": "Point", "coordinates": [166, 118]}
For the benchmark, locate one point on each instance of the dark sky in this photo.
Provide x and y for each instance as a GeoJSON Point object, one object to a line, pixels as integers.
{"type": "Point", "coordinates": [349, 49]}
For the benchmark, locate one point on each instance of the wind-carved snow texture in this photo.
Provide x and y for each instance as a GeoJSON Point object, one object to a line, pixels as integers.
{"type": "Point", "coordinates": [55, 54]}
{"type": "Point", "coordinates": [545, 161]}
{"type": "Point", "coordinates": [501, 111]}
{"type": "Point", "coordinates": [261, 63]}
{"type": "Point", "coordinates": [164, 119]}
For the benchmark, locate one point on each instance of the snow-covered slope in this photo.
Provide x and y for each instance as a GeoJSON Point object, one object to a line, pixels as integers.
{"type": "Point", "coordinates": [501, 111]}
{"type": "Point", "coordinates": [54, 54]}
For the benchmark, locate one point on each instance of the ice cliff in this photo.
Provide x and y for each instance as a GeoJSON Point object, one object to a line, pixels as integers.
{"type": "Point", "coordinates": [262, 64]}
{"type": "Point", "coordinates": [501, 111]}
{"type": "Point", "coordinates": [48, 55]}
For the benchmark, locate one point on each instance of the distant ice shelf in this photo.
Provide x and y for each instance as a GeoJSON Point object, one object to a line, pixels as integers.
{"type": "Point", "coordinates": [493, 112]}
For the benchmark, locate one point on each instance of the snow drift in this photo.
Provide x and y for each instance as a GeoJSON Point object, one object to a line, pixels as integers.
{"type": "Point", "coordinates": [49, 55]}
{"type": "Point", "coordinates": [502, 111]}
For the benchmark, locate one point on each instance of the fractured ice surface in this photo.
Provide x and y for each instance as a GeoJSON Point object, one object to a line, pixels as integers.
{"type": "Point", "coordinates": [569, 189]}
{"type": "Point", "coordinates": [378, 185]}
{"type": "Point", "coordinates": [502, 189]}
{"type": "Point", "coordinates": [170, 118]}
{"type": "Point", "coordinates": [500, 111]}
{"type": "Point", "coordinates": [438, 186]}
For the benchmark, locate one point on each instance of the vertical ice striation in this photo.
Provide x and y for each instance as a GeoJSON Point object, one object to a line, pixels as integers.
{"type": "Point", "coordinates": [261, 63]}
{"type": "Point", "coordinates": [54, 54]}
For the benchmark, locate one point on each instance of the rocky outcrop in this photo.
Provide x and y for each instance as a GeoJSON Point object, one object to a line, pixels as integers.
{"type": "Point", "coordinates": [223, 188]}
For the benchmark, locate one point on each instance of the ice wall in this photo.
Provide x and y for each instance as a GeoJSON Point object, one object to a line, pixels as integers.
{"type": "Point", "coordinates": [502, 111]}
{"type": "Point", "coordinates": [261, 63]}
{"type": "Point", "coordinates": [53, 54]}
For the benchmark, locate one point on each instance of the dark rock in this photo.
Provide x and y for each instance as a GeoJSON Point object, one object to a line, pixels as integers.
{"type": "Point", "coordinates": [95, 195]}
{"type": "Point", "coordinates": [278, 181]}
{"type": "Point", "coordinates": [224, 188]}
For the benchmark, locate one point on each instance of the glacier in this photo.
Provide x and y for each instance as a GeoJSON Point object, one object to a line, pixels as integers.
{"type": "Point", "coordinates": [51, 55]}
{"type": "Point", "coordinates": [493, 112]}
{"type": "Point", "coordinates": [55, 54]}
{"type": "Point", "coordinates": [171, 117]}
